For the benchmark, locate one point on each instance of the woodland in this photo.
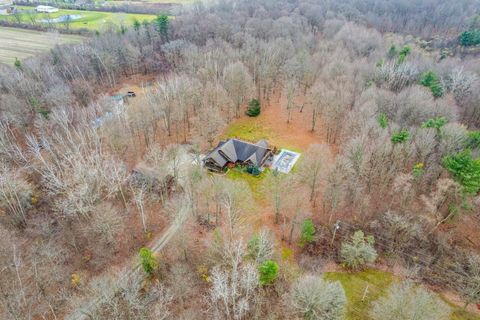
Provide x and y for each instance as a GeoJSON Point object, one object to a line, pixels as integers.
{"type": "Point", "coordinates": [379, 219]}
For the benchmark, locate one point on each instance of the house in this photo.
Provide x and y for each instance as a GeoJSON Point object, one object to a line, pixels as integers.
{"type": "Point", "coordinates": [6, 8]}
{"type": "Point", "coordinates": [46, 9]}
{"type": "Point", "coordinates": [238, 152]}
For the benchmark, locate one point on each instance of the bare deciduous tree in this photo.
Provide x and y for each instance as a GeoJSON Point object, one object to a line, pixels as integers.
{"type": "Point", "coordinates": [238, 83]}
{"type": "Point", "coordinates": [315, 161]}
{"type": "Point", "coordinates": [313, 298]}
{"type": "Point", "coordinates": [406, 301]}
{"type": "Point", "coordinates": [15, 196]}
{"type": "Point", "coordinates": [233, 289]}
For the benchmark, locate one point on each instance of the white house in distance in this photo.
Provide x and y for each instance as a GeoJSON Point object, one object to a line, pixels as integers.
{"type": "Point", "coordinates": [46, 9]}
{"type": "Point", "coordinates": [6, 7]}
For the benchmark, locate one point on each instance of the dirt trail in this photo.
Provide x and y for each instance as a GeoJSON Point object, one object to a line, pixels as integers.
{"type": "Point", "coordinates": [156, 246]}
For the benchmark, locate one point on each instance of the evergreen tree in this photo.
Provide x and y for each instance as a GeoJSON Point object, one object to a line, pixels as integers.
{"type": "Point", "coordinates": [162, 25]}
{"type": "Point", "coordinates": [148, 261]}
{"type": "Point", "coordinates": [430, 79]}
{"type": "Point", "coordinates": [136, 25]}
{"type": "Point", "coordinates": [470, 38]}
{"type": "Point", "coordinates": [268, 272]}
{"type": "Point", "coordinates": [254, 108]}
{"type": "Point", "coordinates": [359, 251]}
{"type": "Point", "coordinates": [465, 169]}
{"type": "Point", "coordinates": [308, 233]}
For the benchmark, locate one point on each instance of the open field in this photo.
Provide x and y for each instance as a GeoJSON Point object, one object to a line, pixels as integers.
{"type": "Point", "coordinates": [22, 44]}
{"type": "Point", "coordinates": [91, 20]}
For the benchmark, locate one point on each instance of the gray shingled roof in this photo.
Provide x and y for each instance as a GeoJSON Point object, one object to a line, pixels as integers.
{"type": "Point", "coordinates": [234, 150]}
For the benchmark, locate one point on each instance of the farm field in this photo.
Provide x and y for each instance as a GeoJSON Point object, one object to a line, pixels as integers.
{"type": "Point", "coordinates": [19, 43]}
{"type": "Point", "coordinates": [79, 19]}
{"type": "Point", "coordinates": [163, 2]}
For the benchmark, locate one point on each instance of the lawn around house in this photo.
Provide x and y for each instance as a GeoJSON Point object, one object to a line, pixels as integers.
{"type": "Point", "coordinates": [362, 288]}
{"type": "Point", "coordinates": [254, 182]}
{"type": "Point", "coordinates": [248, 129]}
{"type": "Point", "coordinates": [91, 20]}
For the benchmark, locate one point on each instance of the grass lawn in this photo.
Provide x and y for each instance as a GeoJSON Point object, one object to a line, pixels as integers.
{"type": "Point", "coordinates": [355, 284]}
{"type": "Point", "coordinates": [377, 283]}
{"type": "Point", "coordinates": [255, 182]}
{"type": "Point", "coordinates": [21, 44]}
{"type": "Point", "coordinates": [251, 129]}
{"type": "Point", "coordinates": [248, 129]}
{"type": "Point", "coordinates": [91, 20]}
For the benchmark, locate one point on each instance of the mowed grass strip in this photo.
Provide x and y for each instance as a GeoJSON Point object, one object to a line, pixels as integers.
{"type": "Point", "coordinates": [91, 20]}
{"type": "Point", "coordinates": [21, 44]}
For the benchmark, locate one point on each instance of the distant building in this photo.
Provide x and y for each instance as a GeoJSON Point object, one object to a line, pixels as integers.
{"type": "Point", "coordinates": [6, 8]}
{"type": "Point", "coordinates": [46, 9]}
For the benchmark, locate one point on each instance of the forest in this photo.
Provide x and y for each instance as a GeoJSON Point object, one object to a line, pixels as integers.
{"type": "Point", "coordinates": [107, 212]}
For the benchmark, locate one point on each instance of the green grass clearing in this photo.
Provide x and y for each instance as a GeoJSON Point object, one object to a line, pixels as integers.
{"type": "Point", "coordinates": [91, 20]}
{"type": "Point", "coordinates": [255, 182]}
{"type": "Point", "coordinates": [255, 128]}
{"type": "Point", "coordinates": [376, 284]}
{"type": "Point", "coordinates": [248, 130]}
{"type": "Point", "coordinates": [21, 44]}
{"type": "Point", "coordinates": [355, 285]}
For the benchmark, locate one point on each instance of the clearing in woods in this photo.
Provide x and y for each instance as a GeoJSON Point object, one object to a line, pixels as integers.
{"type": "Point", "coordinates": [20, 43]}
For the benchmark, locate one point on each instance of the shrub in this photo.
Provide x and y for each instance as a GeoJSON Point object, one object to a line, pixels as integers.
{"type": "Point", "coordinates": [148, 261]}
{"type": "Point", "coordinates": [464, 169]}
{"type": "Point", "coordinates": [17, 64]}
{"type": "Point", "coordinates": [436, 123]}
{"type": "Point", "coordinates": [359, 251]}
{"type": "Point", "coordinates": [405, 50]}
{"type": "Point", "coordinates": [308, 233]}
{"type": "Point", "coordinates": [253, 170]}
{"type": "Point", "coordinates": [404, 53]}
{"type": "Point", "coordinates": [473, 140]}
{"type": "Point", "coordinates": [401, 136]}
{"type": "Point", "coordinates": [268, 272]}
{"type": "Point", "coordinates": [392, 52]}
{"type": "Point", "coordinates": [383, 121]}
{"type": "Point", "coordinates": [418, 169]}
{"type": "Point", "coordinates": [405, 302]}
{"type": "Point", "coordinates": [254, 108]}
{"type": "Point", "coordinates": [313, 298]}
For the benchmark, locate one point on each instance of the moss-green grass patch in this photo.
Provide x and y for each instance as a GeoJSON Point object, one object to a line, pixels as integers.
{"type": "Point", "coordinates": [248, 129]}
{"type": "Point", "coordinates": [362, 288]}
{"type": "Point", "coordinates": [255, 182]}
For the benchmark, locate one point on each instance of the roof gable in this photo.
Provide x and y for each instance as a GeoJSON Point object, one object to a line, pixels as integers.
{"type": "Point", "coordinates": [234, 150]}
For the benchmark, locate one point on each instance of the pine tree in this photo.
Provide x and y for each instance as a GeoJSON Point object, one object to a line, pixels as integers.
{"type": "Point", "coordinates": [148, 261]}
{"type": "Point", "coordinates": [254, 108]}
